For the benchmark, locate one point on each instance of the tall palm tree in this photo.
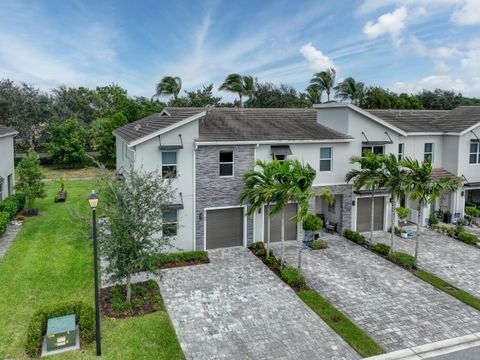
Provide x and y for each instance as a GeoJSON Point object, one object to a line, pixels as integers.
{"type": "Point", "coordinates": [350, 90]}
{"type": "Point", "coordinates": [424, 189]}
{"type": "Point", "coordinates": [325, 80]}
{"type": "Point", "coordinates": [256, 191]}
{"type": "Point", "coordinates": [314, 93]}
{"type": "Point", "coordinates": [170, 85]}
{"type": "Point", "coordinates": [394, 180]}
{"type": "Point", "coordinates": [242, 85]}
{"type": "Point", "coordinates": [369, 176]}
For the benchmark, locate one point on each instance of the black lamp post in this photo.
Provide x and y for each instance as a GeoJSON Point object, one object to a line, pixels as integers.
{"type": "Point", "coordinates": [93, 201]}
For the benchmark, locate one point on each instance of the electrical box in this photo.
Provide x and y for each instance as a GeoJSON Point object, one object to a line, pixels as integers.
{"type": "Point", "coordinates": [61, 332]}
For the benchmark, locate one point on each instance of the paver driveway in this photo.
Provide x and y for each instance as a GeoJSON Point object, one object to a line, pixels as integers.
{"type": "Point", "coordinates": [449, 259]}
{"type": "Point", "coordinates": [390, 304]}
{"type": "Point", "coordinates": [236, 308]}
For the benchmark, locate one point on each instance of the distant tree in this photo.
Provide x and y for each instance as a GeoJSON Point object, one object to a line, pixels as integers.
{"type": "Point", "coordinates": [242, 85]}
{"type": "Point", "coordinates": [133, 231]}
{"type": "Point", "coordinates": [325, 80]}
{"type": "Point", "coordinates": [350, 90]}
{"type": "Point", "coordinates": [268, 95]}
{"type": "Point", "coordinates": [146, 107]}
{"type": "Point", "coordinates": [66, 145]}
{"type": "Point", "coordinates": [314, 93]}
{"type": "Point", "coordinates": [379, 98]}
{"type": "Point", "coordinates": [198, 98]}
{"type": "Point", "coordinates": [106, 140]}
{"type": "Point", "coordinates": [440, 99]}
{"type": "Point", "coordinates": [29, 179]}
{"type": "Point", "coordinates": [170, 85]}
{"type": "Point", "coordinates": [75, 103]}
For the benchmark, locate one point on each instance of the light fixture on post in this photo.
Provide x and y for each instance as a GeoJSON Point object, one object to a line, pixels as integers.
{"type": "Point", "coordinates": [93, 202]}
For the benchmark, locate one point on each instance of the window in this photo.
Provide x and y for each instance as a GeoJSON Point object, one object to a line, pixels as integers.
{"type": "Point", "coordinates": [169, 164]}
{"type": "Point", "coordinates": [401, 151]}
{"type": "Point", "coordinates": [225, 163]}
{"type": "Point", "coordinates": [428, 152]}
{"type": "Point", "coordinates": [280, 158]}
{"type": "Point", "coordinates": [474, 153]}
{"type": "Point", "coordinates": [377, 149]}
{"type": "Point", "coordinates": [326, 159]}
{"type": "Point", "coordinates": [170, 222]}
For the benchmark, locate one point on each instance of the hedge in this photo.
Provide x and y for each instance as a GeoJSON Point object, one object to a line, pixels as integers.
{"type": "Point", "coordinates": [467, 237]}
{"type": "Point", "coordinates": [180, 257]}
{"type": "Point", "coordinates": [381, 248]}
{"type": "Point", "coordinates": [470, 210]}
{"type": "Point", "coordinates": [4, 220]}
{"type": "Point", "coordinates": [84, 315]}
{"type": "Point", "coordinates": [404, 260]}
{"type": "Point", "coordinates": [354, 236]}
{"type": "Point", "coordinates": [13, 204]}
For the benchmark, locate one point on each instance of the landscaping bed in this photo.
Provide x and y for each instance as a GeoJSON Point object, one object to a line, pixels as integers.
{"type": "Point", "coordinates": [178, 259]}
{"type": "Point", "coordinates": [146, 299]}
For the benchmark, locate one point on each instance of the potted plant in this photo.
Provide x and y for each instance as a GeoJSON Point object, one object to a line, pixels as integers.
{"type": "Point", "coordinates": [62, 194]}
{"type": "Point", "coordinates": [402, 214]}
{"type": "Point", "coordinates": [311, 224]}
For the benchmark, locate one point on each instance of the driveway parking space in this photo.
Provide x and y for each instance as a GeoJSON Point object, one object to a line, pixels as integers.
{"type": "Point", "coordinates": [390, 304]}
{"type": "Point", "coordinates": [447, 258]}
{"type": "Point", "coordinates": [236, 308]}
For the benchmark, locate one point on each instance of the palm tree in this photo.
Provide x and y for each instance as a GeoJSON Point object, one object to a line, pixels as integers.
{"type": "Point", "coordinates": [369, 176]}
{"type": "Point", "coordinates": [325, 80]}
{"type": "Point", "coordinates": [424, 189]}
{"type": "Point", "coordinates": [350, 90]}
{"type": "Point", "coordinates": [242, 85]}
{"type": "Point", "coordinates": [314, 93]}
{"type": "Point", "coordinates": [394, 180]}
{"type": "Point", "coordinates": [256, 191]}
{"type": "Point", "coordinates": [169, 85]}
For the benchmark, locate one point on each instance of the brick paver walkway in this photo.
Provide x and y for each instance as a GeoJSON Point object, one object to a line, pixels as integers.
{"type": "Point", "coordinates": [236, 308]}
{"type": "Point", "coordinates": [7, 238]}
{"type": "Point", "coordinates": [447, 258]}
{"type": "Point", "coordinates": [392, 305]}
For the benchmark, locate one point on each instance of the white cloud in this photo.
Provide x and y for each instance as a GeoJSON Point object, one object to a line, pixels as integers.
{"type": "Point", "coordinates": [431, 83]}
{"type": "Point", "coordinates": [442, 52]}
{"type": "Point", "coordinates": [390, 23]}
{"type": "Point", "coordinates": [467, 13]}
{"type": "Point", "coordinates": [318, 61]}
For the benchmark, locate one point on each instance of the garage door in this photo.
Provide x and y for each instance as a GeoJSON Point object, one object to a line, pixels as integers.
{"type": "Point", "coordinates": [276, 225]}
{"type": "Point", "coordinates": [224, 228]}
{"type": "Point", "coordinates": [364, 213]}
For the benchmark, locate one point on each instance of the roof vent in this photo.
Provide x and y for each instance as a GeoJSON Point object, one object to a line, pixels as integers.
{"type": "Point", "coordinates": [137, 127]}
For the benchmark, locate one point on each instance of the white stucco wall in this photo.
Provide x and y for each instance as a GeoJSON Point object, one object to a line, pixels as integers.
{"type": "Point", "coordinates": [6, 163]}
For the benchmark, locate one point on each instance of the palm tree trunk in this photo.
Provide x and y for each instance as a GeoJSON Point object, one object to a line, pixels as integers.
{"type": "Point", "coordinates": [241, 101]}
{"type": "Point", "coordinates": [300, 246]}
{"type": "Point", "coordinates": [372, 220]}
{"type": "Point", "coordinates": [394, 205]}
{"type": "Point", "coordinates": [419, 220]}
{"type": "Point", "coordinates": [268, 230]}
{"type": "Point", "coordinates": [129, 290]}
{"type": "Point", "coordinates": [283, 239]}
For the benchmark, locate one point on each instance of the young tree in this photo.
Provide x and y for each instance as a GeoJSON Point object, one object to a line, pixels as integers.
{"type": "Point", "coordinates": [134, 230]}
{"type": "Point", "coordinates": [67, 143]}
{"type": "Point", "coordinates": [424, 189]}
{"type": "Point", "coordinates": [29, 179]}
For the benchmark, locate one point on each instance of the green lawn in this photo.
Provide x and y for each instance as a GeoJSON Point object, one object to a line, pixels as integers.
{"type": "Point", "coordinates": [51, 260]}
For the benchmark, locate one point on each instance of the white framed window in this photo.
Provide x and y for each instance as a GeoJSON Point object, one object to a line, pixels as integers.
{"type": "Point", "coordinates": [169, 164]}
{"type": "Point", "coordinates": [428, 152]}
{"type": "Point", "coordinates": [401, 151]}
{"type": "Point", "coordinates": [225, 163]}
{"type": "Point", "coordinates": [376, 149]}
{"type": "Point", "coordinates": [170, 222]}
{"type": "Point", "coordinates": [326, 158]}
{"type": "Point", "coordinates": [474, 157]}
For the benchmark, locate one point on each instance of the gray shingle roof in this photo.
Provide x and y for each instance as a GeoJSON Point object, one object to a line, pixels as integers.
{"type": "Point", "coordinates": [4, 130]}
{"type": "Point", "coordinates": [460, 118]}
{"type": "Point", "coordinates": [440, 173]}
{"type": "Point", "coordinates": [252, 124]}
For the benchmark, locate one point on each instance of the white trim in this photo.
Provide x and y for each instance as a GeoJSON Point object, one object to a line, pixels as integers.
{"type": "Point", "coordinates": [433, 133]}
{"type": "Point", "coordinates": [263, 223]}
{"type": "Point", "coordinates": [269, 142]}
{"type": "Point", "coordinates": [432, 153]}
{"type": "Point", "coordinates": [320, 160]}
{"type": "Point", "coordinates": [245, 224]}
{"type": "Point", "coordinates": [470, 128]}
{"type": "Point", "coordinates": [14, 133]}
{"type": "Point", "coordinates": [363, 112]}
{"type": "Point", "coordinates": [329, 184]}
{"type": "Point", "coordinates": [166, 129]}
{"type": "Point", "coordinates": [194, 198]}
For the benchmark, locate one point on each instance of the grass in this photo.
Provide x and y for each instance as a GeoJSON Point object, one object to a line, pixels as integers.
{"type": "Point", "coordinates": [52, 172]}
{"type": "Point", "coordinates": [441, 284]}
{"type": "Point", "coordinates": [51, 261]}
{"type": "Point", "coordinates": [353, 335]}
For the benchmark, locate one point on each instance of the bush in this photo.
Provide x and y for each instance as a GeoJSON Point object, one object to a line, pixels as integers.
{"type": "Point", "coordinates": [273, 262]}
{"type": "Point", "coordinates": [318, 244]}
{"type": "Point", "coordinates": [467, 238]}
{"type": "Point", "coordinates": [402, 212]}
{"type": "Point", "coordinates": [292, 277]}
{"type": "Point", "coordinates": [180, 257]}
{"type": "Point", "coordinates": [381, 248]}
{"type": "Point", "coordinates": [13, 204]}
{"type": "Point", "coordinates": [402, 259]}
{"type": "Point", "coordinates": [4, 220]}
{"type": "Point", "coordinates": [84, 315]}
{"type": "Point", "coordinates": [470, 210]}
{"type": "Point", "coordinates": [312, 223]}
{"type": "Point", "coordinates": [255, 246]}
{"type": "Point", "coordinates": [432, 219]}
{"type": "Point", "coordinates": [354, 236]}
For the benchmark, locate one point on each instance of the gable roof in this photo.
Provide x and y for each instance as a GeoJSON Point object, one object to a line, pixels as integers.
{"type": "Point", "coordinates": [6, 131]}
{"type": "Point", "coordinates": [411, 120]}
{"type": "Point", "coordinates": [460, 119]}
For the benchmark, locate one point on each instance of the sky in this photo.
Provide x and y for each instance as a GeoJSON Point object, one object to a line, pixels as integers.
{"type": "Point", "coordinates": [403, 45]}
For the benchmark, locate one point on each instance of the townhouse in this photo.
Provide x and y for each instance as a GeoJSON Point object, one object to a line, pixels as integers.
{"type": "Point", "coordinates": [207, 151]}
{"type": "Point", "coordinates": [7, 173]}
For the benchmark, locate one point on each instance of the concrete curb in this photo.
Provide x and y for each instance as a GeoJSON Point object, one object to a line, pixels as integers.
{"type": "Point", "coordinates": [433, 349]}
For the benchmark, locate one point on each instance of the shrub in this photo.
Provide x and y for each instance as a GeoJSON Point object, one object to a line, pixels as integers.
{"type": "Point", "coordinates": [312, 223]}
{"type": "Point", "coordinates": [354, 236]}
{"type": "Point", "coordinates": [13, 204]}
{"type": "Point", "coordinates": [444, 228]}
{"type": "Point", "coordinates": [292, 277]}
{"type": "Point", "coordinates": [381, 248]}
{"type": "Point", "coordinates": [318, 244]}
{"type": "Point", "coordinates": [435, 227]}
{"type": "Point", "coordinates": [402, 259]}
{"type": "Point", "coordinates": [467, 238]}
{"type": "Point", "coordinates": [4, 220]}
{"type": "Point", "coordinates": [255, 246]}
{"type": "Point", "coordinates": [432, 219]}
{"type": "Point", "coordinates": [450, 232]}
{"type": "Point", "coordinates": [402, 212]}
{"type": "Point", "coordinates": [272, 261]}
{"type": "Point", "coordinates": [84, 315]}
{"type": "Point", "coordinates": [180, 257]}
{"type": "Point", "coordinates": [470, 210]}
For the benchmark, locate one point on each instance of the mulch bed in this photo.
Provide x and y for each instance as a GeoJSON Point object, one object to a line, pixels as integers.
{"type": "Point", "coordinates": [29, 213]}
{"type": "Point", "coordinates": [184, 263]}
{"type": "Point", "coordinates": [146, 299]}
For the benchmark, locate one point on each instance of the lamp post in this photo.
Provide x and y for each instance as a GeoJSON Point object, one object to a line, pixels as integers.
{"type": "Point", "coordinates": [93, 201]}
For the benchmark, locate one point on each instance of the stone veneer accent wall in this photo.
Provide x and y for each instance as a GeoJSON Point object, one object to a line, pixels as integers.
{"type": "Point", "coordinates": [215, 191]}
{"type": "Point", "coordinates": [346, 209]}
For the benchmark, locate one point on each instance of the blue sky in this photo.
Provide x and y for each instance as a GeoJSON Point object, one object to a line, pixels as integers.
{"type": "Point", "coordinates": [405, 45]}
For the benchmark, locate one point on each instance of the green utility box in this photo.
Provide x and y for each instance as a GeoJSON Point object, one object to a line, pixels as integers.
{"type": "Point", "coordinates": [61, 332]}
